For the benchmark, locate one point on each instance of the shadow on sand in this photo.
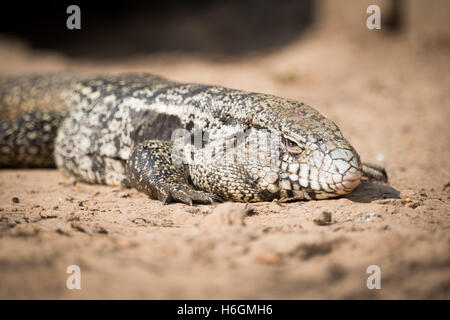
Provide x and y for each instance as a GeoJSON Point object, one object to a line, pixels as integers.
{"type": "Point", "coordinates": [370, 191]}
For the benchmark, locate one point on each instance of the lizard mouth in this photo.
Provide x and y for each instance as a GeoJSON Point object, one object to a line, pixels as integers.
{"type": "Point", "coordinates": [334, 186]}
{"type": "Point", "coordinates": [328, 184]}
{"type": "Point", "coordinates": [321, 176]}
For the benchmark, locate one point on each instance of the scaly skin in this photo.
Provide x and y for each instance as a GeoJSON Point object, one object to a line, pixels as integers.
{"type": "Point", "coordinates": [118, 130]}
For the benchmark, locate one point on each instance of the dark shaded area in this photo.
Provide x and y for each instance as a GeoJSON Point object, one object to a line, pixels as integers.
{"type": "Point", "coordinates": [118, 29]}
{"type": "Point", "coordinates": [367, 192]}
{"type": "Point", "coordinates": [395, 20]}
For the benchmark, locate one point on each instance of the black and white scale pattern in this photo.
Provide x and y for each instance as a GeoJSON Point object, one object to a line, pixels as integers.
{"type": "Point", "coordinates": [118, 130]}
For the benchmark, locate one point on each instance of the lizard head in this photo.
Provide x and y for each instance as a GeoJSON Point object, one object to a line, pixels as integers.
{"type": "Point", "coordinates": [315, 160]}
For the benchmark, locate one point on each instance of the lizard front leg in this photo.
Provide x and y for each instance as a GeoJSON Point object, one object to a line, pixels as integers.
{"type": "Point", "coordinates": [150, 169]}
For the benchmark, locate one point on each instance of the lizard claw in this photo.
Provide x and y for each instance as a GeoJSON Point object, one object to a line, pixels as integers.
{"type": "Point", "coordinates": [187, 196]}
{"type": "Point", "coordinates": [166, 199]}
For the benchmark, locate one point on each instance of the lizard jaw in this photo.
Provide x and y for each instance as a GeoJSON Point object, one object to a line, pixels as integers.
{"type": "Point", "coordinates": [351, 180]}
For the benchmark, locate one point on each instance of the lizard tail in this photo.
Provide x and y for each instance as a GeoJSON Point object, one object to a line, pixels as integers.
{"type": "Point", "coordinates": [31, 110]}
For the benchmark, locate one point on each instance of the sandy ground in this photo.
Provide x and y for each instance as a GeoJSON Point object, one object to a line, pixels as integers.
{"type": "Point", "coordinates": [390, 98]}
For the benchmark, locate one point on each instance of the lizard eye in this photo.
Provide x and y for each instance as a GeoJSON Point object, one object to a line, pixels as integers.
{"type": "Point", "coordinates": [292, 146]}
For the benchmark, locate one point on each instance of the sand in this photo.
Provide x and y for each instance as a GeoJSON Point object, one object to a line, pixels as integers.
{"type": "Point", "coordinates": [390, 98]}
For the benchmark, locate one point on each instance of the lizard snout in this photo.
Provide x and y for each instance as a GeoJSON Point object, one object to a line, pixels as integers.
{"type": "Point", "coordinates": [351, 180]}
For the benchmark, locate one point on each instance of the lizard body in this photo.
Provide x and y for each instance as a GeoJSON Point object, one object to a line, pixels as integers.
{"type": "Point", "coordinates": [123, 130]}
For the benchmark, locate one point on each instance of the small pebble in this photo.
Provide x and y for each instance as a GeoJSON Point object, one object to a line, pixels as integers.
{"type": "Point", "coordinates": [69, 182]}
{"type": "Point", "coordinates": [15, 200]}
{"type": "Point", "coordinates": [167, 223]}
{"type": "Point", "coordinates": [80, 227]}
{"type": "Point", "coordinates": [45, 215]}
{"type": "Point", "coordinates": [323, 219]}
{"type": "Point", "coordinates": [99, 229]}
{"type": "Point", "coordinates": [368, 217]}
{"type": "Point", "coordinates": [267, 258]}
{"type": "Point", "coordinates": [63, 232]}
{"type": "Point", "coordinates": [139, 221]}
{"type": "Point", "coordinates": [413, 205]}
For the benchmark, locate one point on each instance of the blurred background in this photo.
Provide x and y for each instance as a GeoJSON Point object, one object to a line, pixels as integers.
{"type": "Point", "coordinates": [216, 28]}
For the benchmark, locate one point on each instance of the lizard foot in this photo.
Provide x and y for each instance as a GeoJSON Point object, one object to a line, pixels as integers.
{"type": "Point", "coordinates": [150, 169]}
{"type": "Point", "coordinates": [186, 195]}
{"type": "Point", "coordinates": [373, 172]}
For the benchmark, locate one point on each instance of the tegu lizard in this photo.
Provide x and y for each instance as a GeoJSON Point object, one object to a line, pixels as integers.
{"type": "Point", "coordinates": [119, 130]}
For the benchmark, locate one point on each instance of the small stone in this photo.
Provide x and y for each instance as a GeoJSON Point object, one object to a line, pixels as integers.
{"type": "Point", "coordinates": [267, 258]}
{"type": "Point", "coordinates": [413, 205]}
{"type": "Point", "coordinates": [69, 182]}
{"type": "Point", "coordinates": [99, 229]}
{"type": "Point", "coordinates": [47, 215]}
{"type": "Point", "coordinates": [63, 232]}
{"type": "Point", "coordinates": [250, 211]}
{"type": "Point", "coordinates": [368, 217]}
{"type": "Point", "coordinates": [323, 219]}
{"type": "Point", "coordinates": [124, 195]}
{"type": "Point", "coordinates": [139, 221]}
{"type": "Point", "coordinates": [73, 218]}
{"type": "Point", "coordinates": [167, 223]}
{"type": "Point", "coordinates": [15, 200]}
{"type": "Point", "coordinates": [80, 227]}
{"type": "Point", "coordinates": [80, 203]}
